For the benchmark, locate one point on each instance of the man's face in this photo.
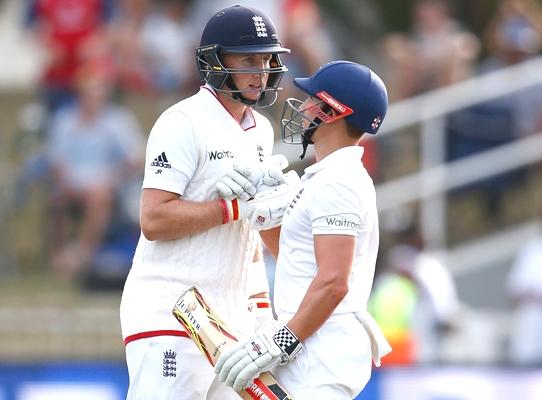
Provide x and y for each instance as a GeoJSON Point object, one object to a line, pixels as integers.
{"type": "Point", "coordinates": [251, 84]}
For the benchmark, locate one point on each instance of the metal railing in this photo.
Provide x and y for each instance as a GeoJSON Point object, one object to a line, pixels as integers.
{"type": "Point", "coordinates": [435, 176]}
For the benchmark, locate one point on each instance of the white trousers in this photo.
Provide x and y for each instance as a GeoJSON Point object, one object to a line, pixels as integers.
{"type": "Point", "coordinates": [335, 363]}
{"type": "Point", "coordinates": [172, 368]}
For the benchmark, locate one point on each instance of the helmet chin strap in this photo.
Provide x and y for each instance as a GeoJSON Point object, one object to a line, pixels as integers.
{"type": "Point", "coordinates": [306, 143]}
{"type": "Point", "coordinates": [237, 95]}
{"type": "Point", "coordinates": [307, 136]}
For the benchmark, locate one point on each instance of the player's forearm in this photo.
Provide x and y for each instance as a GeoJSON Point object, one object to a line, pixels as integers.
{"type": "Point", "coordinates": [178, 218]}
{"type": "Point", "coordinates": [334, 256]}
{"type": "Point", "coordinates": [321, 299]}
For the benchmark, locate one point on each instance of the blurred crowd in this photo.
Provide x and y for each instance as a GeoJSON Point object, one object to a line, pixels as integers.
{"type": "Point", "coordinates": [148, 45]}
{"type": "Point", "coordinates": [99, 53]}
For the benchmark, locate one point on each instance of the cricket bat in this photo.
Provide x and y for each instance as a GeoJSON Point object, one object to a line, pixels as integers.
{"type": "Point", "coordinates": [212, 335]}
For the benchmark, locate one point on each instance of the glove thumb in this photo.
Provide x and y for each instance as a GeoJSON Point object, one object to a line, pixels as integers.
{"type": "Point", "coordinates": [273, 177]}
{"type": "Point", "coordinates": [280, 161]}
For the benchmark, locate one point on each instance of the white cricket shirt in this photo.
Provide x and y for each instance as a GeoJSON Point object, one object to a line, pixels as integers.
{"type": "Point", "coordinates": [191, 146]}
{"type": "Point", "coordinates": [336, 197]}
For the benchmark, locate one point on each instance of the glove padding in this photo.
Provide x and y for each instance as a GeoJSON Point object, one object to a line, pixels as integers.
{"type": "Point", "coordinates": [245, 180]}
{"type": "Point", "coordinates": [266, 209]}
{"type": "Point", "coordinates": [244, 361]}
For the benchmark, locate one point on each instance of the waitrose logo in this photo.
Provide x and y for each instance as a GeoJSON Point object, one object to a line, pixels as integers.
{"type": "Point", "coordinates": [219, 155]}
{"type": "Point", "coordinates": [342, 223]}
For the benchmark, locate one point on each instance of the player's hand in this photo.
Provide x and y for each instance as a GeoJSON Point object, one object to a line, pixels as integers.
{"type": "Point", "coordinates": [264, 175]}
{"type": "Point", "coordinates": [266, 209]}
{"type": "Point", "coordinates": [234, 185]}
{"type": "Point", "coordinates": [245, 180]}
{"type": "Point", "coordinates": [240, 363]}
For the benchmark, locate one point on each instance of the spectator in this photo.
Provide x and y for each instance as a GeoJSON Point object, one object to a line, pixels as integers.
{"type": "Point", "coordinates": [94, 149]}
{"type": "Point", "coordinates": [436, 304]}
{"type": "Point", "coordinates": [392, 303]}
{"type": "Point", "coordinates": [438, 51]}
{"type": "Point", "coordinates": [307, 36]}
{"type": "Point", "coordinates": [152, 43]}
{"type": "Point", "coordinates": [124, 41]}
{"type": "Point", "coordinates": [167, 42]}
{"type": "Point", "coordinates": [524, 287]}
{"type": "Point", "coordinates": [356, 27]}
{"type": "Point", "coordinates": [64, 28]}
{"type": "Point", "coordinates": [514, 35]}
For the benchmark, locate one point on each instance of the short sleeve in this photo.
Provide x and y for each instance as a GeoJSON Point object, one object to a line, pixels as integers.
{"type": "Point", "coordinates": [171, 157]}
{"type": "Point", "coordinates": [337, 211]}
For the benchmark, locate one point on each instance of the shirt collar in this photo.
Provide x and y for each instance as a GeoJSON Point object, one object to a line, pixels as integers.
{"type": "Point", "coordinates": [344, 154]}
{"type": "Point", "coordinates": [248, 120]}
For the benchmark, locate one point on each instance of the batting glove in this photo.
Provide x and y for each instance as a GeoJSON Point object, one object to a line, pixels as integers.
{"type": "Point", "coordinates": [244, 361]}
{"type": "Point", "coordinates": [245, 180]}
{"type": "Point", "coordinates": [266, 209]}
{"type": "Point", "coordinates": [262, 312]}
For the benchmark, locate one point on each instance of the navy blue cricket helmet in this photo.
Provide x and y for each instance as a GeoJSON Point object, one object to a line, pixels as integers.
{"type": "Point", "coordinates": [347, 90]}
{"type": "Point", "coordinates": [240, 30]}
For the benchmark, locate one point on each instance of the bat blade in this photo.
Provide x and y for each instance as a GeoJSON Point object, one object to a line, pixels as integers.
{"type": "Point", "coordinates": [211, 335]}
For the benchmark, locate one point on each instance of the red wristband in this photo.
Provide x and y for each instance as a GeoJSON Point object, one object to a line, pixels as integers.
{"type": "Point", "coordinates": [263, 303]}
{"type": "Point", "coordinates": [235, 207]}
{"type": "Point", "coordinates": [225, 213]}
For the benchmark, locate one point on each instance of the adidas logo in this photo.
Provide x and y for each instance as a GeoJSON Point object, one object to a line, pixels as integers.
{"type": "Point", "coordinates": [161, 161]}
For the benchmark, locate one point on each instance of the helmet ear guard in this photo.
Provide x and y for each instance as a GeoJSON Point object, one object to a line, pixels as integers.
{"type": "Point", "coordinates": [279, 69]}
{"type": "Point", "coordinates": [210, 67]}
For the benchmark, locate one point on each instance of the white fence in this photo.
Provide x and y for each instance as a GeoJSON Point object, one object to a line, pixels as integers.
{"type": "Point", "coordinates": [436, 177]}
